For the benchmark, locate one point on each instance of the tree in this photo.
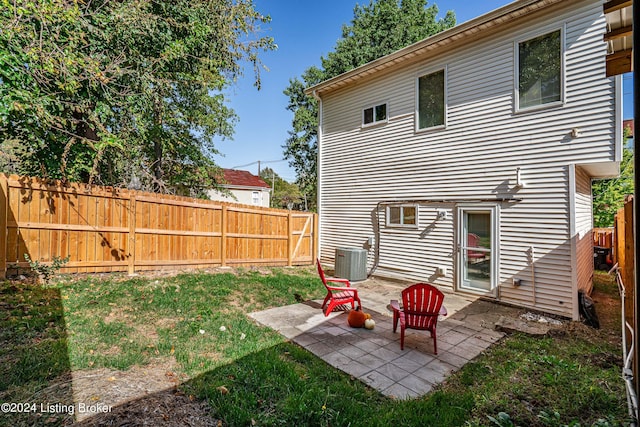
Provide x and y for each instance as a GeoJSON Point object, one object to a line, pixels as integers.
{"type": "Point", "coordinates": [609, 194]}
{"type": "Point", "coordinates": [283, 191]}
{"type": "Point", "coordinates": [377, 29]}
{"type": "Point", "coordinates": [118, 91]}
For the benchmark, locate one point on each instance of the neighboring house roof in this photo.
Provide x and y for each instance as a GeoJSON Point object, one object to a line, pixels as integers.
{"type": "Point", "coordinates": [628, 124]}
{"type": "Point", "coordinates": [441, 42]}
{"type": "Point", "coordinates": [243, 179]}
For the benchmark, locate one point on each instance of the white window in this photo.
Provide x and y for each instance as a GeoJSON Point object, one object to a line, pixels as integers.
{"type": "Point", "coordinates": [539, 71]}
{"type": "Point", "coordinates": [374, 115]}
{"type": "Point", "coordinates": [255, 197]}
{"type": "Point", "coordinates": [402, 216]}
{"type": "Point", "coordinates": [431, 100]}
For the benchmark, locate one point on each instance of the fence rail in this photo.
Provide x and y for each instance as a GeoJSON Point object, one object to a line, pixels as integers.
{"type": "Point", "coordinates": [603, 237]}
{"type": "Point", "coordinates": [104, 229]}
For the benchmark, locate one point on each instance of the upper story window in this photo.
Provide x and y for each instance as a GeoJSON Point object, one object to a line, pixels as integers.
{"type": "Point", "coordinates": [539, 75]}
{"type": "Point", "coordinates": [402, 216]}
{"type": "Point", "coordinates": [431, 100]}
{"type": "Point", "coordinates": [255, 197]}
{"type": "Point", "coordinates": [374, 115]}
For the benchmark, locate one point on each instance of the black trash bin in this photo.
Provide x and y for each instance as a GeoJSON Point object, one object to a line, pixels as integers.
{"type": "Point", "coordinates": [601, 256]}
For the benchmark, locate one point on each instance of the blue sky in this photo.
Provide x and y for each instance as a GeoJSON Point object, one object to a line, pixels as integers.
{"type": "Point", "coordinates": [304, 31]}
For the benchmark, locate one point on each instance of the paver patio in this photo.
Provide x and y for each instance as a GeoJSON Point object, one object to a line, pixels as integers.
{"type": "Point", "coordinates": [374, 356]}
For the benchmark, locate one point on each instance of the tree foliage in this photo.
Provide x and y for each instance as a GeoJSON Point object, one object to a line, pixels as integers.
{"type": "Point", "coordinates": [112, 91]}
{"type": "Point", "coordinates": [377, 29]}
{"type": "Point", "coordinates": [283, 192]}
{"type": "Point", "coordinates": [609, 194]}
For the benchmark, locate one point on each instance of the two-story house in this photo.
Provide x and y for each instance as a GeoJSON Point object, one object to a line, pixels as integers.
{"type": "Point", "coordinates": [466, 159]}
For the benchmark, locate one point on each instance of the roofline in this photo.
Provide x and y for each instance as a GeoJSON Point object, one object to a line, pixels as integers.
{"type": "Point", "coordinates": [507, 13]}
{"type": "Point", "coordinates": [244, 187]}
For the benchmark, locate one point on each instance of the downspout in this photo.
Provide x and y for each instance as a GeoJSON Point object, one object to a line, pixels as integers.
{"type": "Point", "coordinates": [376, 251]}
{"type": "Point", "coordinates": [533, 273]}
{"type": "Point", "coordinates": [319, 171]}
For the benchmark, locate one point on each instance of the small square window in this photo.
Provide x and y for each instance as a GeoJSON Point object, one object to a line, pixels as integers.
{"type": "Point", "coordinates": [374, 115]}
{"type": "Point", "coordinates": [402, 216]}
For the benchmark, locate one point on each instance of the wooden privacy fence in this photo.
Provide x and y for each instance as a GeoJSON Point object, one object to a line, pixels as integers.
{"type": "Point", "coordinates": [603, 237]}
{"type": "Point", "coordinates": [104, 229]}
{"type": "Point", "coordinates": [624, 253]}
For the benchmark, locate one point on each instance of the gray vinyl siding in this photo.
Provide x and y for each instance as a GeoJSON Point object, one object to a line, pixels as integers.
{"type": "Point", "coordinates": [584, 230]}
{"type": "Point", "coordinates": [475, 157]}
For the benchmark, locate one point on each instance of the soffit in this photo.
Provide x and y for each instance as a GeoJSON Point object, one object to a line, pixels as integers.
{"type": "Point", "coordinates": [473, 29]}
{"type": "Point", "coordinates": [619, 36]}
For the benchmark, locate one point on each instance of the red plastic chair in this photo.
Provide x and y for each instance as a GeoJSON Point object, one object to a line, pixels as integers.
{"type": "Point", "coordinates": [337, 295]}
{"type": "Point", "coordinates": [473, 241]}
{"type": "Point", "coordinates": [422, 304]}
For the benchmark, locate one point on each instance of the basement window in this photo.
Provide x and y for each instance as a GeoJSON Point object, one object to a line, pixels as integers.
{"type": "Point", "coordinates": [402, 216]}
{"type": "Point", "coordinates": [374, 115]}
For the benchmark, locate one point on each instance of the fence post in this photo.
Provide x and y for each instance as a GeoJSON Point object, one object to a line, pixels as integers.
{"type": "Point", "coordinates": [223, 237]}
{"type": "Point", "coordinates": [4, 213]}
{"type": "Point", "coordinates": [315, 239]}
{"type": "Point", "coordinates": [132, 234]}
{"type": "Point", "coordinates": [289, 240]}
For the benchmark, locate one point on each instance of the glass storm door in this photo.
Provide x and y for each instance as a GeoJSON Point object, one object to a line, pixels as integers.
{"type": "Point", "coordinates": [477, 249]}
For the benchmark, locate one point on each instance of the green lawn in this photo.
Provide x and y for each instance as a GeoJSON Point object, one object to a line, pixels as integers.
{"type": "Point", "coordinates": [46, 332]}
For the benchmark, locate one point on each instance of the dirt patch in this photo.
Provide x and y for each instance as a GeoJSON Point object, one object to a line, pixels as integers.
{"type": "Point", "coordinates": [116, 314]}
{"type": "Point", "coordinates": [168, 408]}
{"type": "Point", "coordinates": [100, 389]}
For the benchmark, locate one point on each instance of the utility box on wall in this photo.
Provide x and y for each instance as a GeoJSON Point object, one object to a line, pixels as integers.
{"type": "Point", "coordinates": [351, 264]}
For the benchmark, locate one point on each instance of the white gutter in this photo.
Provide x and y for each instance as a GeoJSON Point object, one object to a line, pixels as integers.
{"type": "Point", "coordinates": [319, 169]}
{"type": "Point", "coordinates": [501, 16]}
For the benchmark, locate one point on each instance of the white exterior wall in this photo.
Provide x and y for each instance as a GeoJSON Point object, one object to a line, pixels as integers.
{"type": "Point", "coordinates": [475, 157]}
{"type": "Point", "coordinates": [242, 196]}
{"type": "Point", "coordinates": [584, 228]}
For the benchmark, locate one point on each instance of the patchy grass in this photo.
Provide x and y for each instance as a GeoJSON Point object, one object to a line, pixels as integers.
{"type": "Point", "coordinates": [249, 375]}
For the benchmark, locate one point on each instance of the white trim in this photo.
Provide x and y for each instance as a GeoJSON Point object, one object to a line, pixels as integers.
{"type": "Point", "coordinates": [516, 65]}
{"type": "Point", "coordinates": [573, 238]}
{"type": "Point", "coordinates": [422, 73]}
{"type": "Point", "coordinates": [402, 206]}
{"type": "Point", "coordinates": [517, 10]}
{"type": "Point", "coordinates": [619, 134]}
{"type": "Point", "coordinates": [319, 172]}
{"type": "Point", "coordinates": [494, 211]}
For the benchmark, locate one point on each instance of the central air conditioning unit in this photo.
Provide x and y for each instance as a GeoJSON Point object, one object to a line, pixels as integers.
{"type": "Point", "coordinates": [351, 264]}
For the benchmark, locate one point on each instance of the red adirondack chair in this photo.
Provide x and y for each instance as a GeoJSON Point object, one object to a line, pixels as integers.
{"type": "Point", "coordinates": [473, 241]}
{"type": "Point", "coordinates": [422, 304]}
{"type": "Point", "coordinates": [337, 295]}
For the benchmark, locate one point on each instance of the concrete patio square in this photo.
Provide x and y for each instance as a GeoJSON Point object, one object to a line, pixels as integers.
{"type": "Point", "coordinates": [374, 356]}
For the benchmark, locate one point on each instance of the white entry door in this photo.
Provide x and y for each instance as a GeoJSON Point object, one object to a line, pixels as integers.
{"type": "Point", "coordinates": [477, 249]}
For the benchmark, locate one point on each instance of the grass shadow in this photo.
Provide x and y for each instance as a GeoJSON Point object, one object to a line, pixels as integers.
{"type": "Point", "coordinates": [283, 385]}
{"type": "Point", "coordinates": [35, 372]}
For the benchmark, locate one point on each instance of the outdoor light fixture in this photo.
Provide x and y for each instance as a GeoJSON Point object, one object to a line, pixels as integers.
{"type": "Point", "coordinates": [519, 181]}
